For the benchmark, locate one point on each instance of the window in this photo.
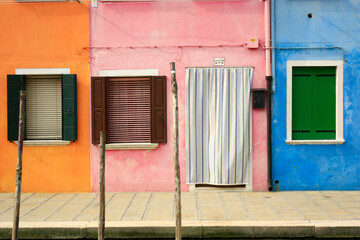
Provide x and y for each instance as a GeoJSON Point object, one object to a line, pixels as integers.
{"type": "Point", "coordinates": [51, 108]}
{"type": "Point", "coordinates": [129, 109]}
{"type": "Point", "coordinates": [43, 107]}
{"type": "Point", "coordinates": [314, 102]}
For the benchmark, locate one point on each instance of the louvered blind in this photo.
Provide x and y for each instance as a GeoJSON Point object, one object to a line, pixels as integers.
{"type": "Point", "coordinates": [129, 110]}
{"type": "Point", "coordinates": [43, 107]}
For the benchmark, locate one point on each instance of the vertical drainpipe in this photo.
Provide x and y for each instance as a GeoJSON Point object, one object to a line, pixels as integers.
{"type": "Point", "coordinates": [267, 17]}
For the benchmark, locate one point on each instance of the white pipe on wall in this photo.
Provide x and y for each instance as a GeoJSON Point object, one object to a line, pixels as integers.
{"type": "Point", "coordinates": [268, 76]}
{"type": "Point", "coordinates": [267, 16]}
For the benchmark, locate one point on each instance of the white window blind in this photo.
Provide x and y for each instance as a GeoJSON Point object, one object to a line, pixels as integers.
{"type": "Point", "coordinates": [43, 107]}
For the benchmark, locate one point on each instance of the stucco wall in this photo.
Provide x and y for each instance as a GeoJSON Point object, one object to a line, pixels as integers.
{"type": "Point", "coordinates": [46, 35]}
{"type": "Point", "coordinates": [150, 35]}
{"type": "Point", "coordinates": [332, 33]}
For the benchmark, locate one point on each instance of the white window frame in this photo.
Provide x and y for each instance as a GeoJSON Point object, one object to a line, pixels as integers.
{"type": "Point", "coordinates": [128, 72]}
{"type": "Point", "coordinates": [339, 100]}
{"type": "Point", "coordinates": [39, 71]}
{"type": "Point", "coordinates": [43, 71]}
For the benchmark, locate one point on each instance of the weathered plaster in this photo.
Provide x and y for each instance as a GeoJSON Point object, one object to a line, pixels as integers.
{"type": "Point", "coordinates": [331, 34]}
{"type": "Point", "coordinates": [151, 35]}
{"type": "Point", "coordinates": [42, 36]}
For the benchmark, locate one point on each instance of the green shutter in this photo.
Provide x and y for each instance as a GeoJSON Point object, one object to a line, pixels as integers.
{"type": "Point", "coordinates": [301, 105]}
{"type": "Point", "coordinates": [15, 83]}
{"type": "Point", "coordinates": [313, 103]}
{"type": "Point", "coordinates": [324, 96]}
{"type": "Point", "coordinates": [69, 94]}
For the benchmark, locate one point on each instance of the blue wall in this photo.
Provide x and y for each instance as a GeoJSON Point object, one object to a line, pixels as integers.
{"type": "Point", "coordinates": [333, 33]}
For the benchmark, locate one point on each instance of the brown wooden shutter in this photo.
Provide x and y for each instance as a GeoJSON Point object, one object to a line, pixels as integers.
{"type": "Point", "coordinates": [98, 107]}
{"type": "Point", "coordinates": [158, 109]}
{"type": "Point", "coordinates": [129, 112]}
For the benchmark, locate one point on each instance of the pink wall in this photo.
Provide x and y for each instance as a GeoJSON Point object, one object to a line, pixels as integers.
{"type": "Point", "coordinates": [150, 35]}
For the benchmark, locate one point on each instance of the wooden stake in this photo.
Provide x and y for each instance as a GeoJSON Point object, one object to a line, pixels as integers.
{"type": "Point", "coordinates": [19, 166]}
{"type": "Point", "coordinates": [101, 231]}
{"type": "Point", "coordinates": [176, 153]}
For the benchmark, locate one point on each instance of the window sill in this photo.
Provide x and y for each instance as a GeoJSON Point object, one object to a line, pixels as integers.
{"type": "Point", "coordinates": [131, 146]}
{"type": "Point", "coordinates": [44, 143]}
{"type": "Point", "coordinates": [315, 142]}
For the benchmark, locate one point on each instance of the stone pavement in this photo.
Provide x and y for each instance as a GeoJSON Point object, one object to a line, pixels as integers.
{"type": "Point", "coordinates": [205, 214]}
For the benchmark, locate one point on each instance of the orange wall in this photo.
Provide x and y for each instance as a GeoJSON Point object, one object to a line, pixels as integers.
{"type": "Point", "coordinates": [46, 35]}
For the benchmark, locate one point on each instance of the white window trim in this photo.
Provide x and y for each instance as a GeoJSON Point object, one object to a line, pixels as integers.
{"type": "Point", "coordinates": [44, 143]}
{"type": "Point", "coordinates": [129, 73]}
{"type": "Point", "coordinates": [339, 100]}
{"type": "Point", "coordinates": [131, 146]}
{"type": "Point", "coordinates": [45, 71]}
{"type": "Point", "coordinates": [38, 71]}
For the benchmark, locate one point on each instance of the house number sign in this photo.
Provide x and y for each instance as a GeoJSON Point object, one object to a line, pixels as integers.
{"type": "Point", "coordinates": [219, 61]}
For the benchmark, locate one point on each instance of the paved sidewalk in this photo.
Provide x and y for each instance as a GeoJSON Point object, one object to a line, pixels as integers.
{"type": "Point", "coordinates": [204, 214]}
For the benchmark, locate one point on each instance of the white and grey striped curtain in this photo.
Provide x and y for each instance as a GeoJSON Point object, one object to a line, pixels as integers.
{"type": "Point", "coordinates": [218, 125]}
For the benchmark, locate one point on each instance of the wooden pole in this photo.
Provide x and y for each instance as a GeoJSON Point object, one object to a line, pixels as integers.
{"type": "Point", "coordinates": [19, 166]}
{"type": "Point", "coordinates": [176, 153]}
{"type": "Point", "coordinates": [101, 231]}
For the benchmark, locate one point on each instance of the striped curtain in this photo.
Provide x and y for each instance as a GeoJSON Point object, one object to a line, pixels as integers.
{"type": "Point", "coordinates": [218, 125]}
